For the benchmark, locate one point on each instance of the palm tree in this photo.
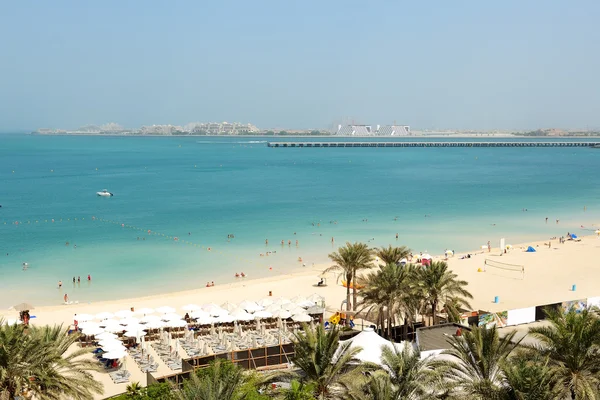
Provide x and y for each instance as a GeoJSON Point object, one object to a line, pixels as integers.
{"type": "Point", "coordinates": [37, 359]}
{"type": "Point", "coordinates": [441, 285]}
{"type": "Point", "coordinates": [134, 390]}
{"type": "Point", "coordinates": [528, 377]}
{"type": "Point", "coordinates": [220, 381]}
{"type": "Point", "coordinates": [392, 255]}
{"type": "Point", "coordinates": [572, 345]}
{"type": "Point", "coordinates": [349, 260]}
{"type": "Point", "coordinates": [323, 361]}
{"type": "Point", "coordinates": [385, 290]}
{"type": "Point", "coordinates": [297, 391]}
{"type": "Point", "coordinates": [479, 356]}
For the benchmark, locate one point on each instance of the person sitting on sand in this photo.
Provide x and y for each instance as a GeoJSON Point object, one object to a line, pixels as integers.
{"type": "Point", "coordinates": [320, 283]}
{"type": "Point", "coordinates": [186, 317]}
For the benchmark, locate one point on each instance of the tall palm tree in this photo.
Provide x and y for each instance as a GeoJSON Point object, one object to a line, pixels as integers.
{"type": "Point", "coordinates": [572, 344]}
{"type": "Point", "coordinates": [385, 290]}
{"type": "Point", "coordinates": [479, 356]}
{"type": "Point", "coordinates": [349, 260]}
{"type": "Point", "coordinates": [323, 361]}
{"type": "Point", "coordinates": [392, 255]}
{"type": "Point", "coordinates": [440, 286]}
{"type": "Point", "coordinates": [38, 360]}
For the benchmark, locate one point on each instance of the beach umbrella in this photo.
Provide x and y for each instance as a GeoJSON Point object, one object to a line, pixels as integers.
{"type": "Point", "coordinates": [301, 318]}
{"type": "Point", "coordinates": [23, 307]}
{"type": "Point", "coordinates": [165, 310]}
{"type": "Point", "coordinates": [281, 301]}
{"type": "Point", "coordinates": [265, 302]}
{"type": "Point", "coordinates": [114, 355]}
{"type": "Point", "coordinates": [144, 311]}
{"type": "Point", "coordinates": [214, 310]}
{"type": "Point", "coordinates": [262, 314]}
{"type": "Point", "coordinates": [149, 318]}
{"type": "Point", "coordinates": [241, 315]}
{"type": "Point", "coordinates": [296, 310]}
{"type": "Point", "coordinates": [92, 331]}
{"type": "Point", "coordinates": [114, 328]}
{"type": "Point", "coordinates": [109, 321]}
{"type": "Point", "coordinates": [225, 319]}
{"type": "Point", "coordinates": [104, 315]}
{"type": "Point", "coordinates": [200, 314]}
{"type": "Point", "coordinates": [283, 314]}
{"type": "Point", "coordinates": [154, 325]}
{"type": "Point", "coordinates": [315, 310]}
{"type": "Point", "coordinates": [305, 304]}
{"type": "Point", "coordinates": [227, 306]}
{"type": "Point", "coordinates": [84, 317]}
{"type": "Point", "coordinates": [124, 314]}
{"type": "Point", "coordinates": [136, 334]}
{"type": "Point", "coordinates": [176, 323]}
{"type": "Point", "coordinates": [106, 335]}
{"type": "Point", "coordinates": [273, 307]}
{"type": "Point", "coordinates": [190, 307]}
{"type": "Point", "coordinates": [135, 327]}
{"type": "Point", "coordinates": [129, 321]}
{"type": "Point", "coordinates": [315, 298]}
{"type": "Point", "coordinates": [171, 316]}
{"type": "Point", "coordinates": [110, 344]}
{"type": "Point", "coordinates": [250, 306]}
{"type": "Point", "coordinates": [88, 325]}
{"type": "Point", "coordinates": [206, 320]}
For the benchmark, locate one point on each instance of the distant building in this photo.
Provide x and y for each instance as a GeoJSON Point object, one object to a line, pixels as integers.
{"type": "Point", "coordinates": [220, 128]}
{"type": "Point", "coordinates": [370, 130]}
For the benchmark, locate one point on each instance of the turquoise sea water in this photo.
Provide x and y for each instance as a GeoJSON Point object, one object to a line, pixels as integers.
{"type": "Point", "coordinates": [202, 189]}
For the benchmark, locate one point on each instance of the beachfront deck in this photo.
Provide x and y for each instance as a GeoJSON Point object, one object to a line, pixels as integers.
{"type": "Point", "coordinates": [436, 144]}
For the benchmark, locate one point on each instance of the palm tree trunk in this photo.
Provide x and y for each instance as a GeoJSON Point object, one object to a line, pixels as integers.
{"type": "Point", "coordinates": [348, 296]}
{"type": "Point", "coordinates": [354, 294]}
{"type": "Point", "coordinates": [434, 310]}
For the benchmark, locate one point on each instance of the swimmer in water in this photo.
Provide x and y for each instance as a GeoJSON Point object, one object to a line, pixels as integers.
{"type": "Point", "coordinates": [266, 241]}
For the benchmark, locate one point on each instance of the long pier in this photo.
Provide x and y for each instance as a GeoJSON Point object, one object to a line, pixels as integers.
{"type": "Point", "coordinates": [435, 144]}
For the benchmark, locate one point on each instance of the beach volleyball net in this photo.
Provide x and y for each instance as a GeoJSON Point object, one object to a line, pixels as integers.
{"type": "Point", "coordinates": [512, 270]}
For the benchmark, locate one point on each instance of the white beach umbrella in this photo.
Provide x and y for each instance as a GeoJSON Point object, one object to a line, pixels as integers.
{"type": "Point", "coordinates": [110, 344]}
{"type": "Point", "coordinates": [265, 302]}
{"type": "Point", "coordinates": [135, 327]}
{"type": "Point", "coordinates": [165, 310]}
{"type": "Point", "coordinates": [176, 323]}
{"type": "Point", "coordinates": [124, 314]}
{"type": "Point", "coordinates": [144, 311]}
{"type": "Point", "coordinates": [315, 298]}
{"type": "Point", "coordinates": [282, 301]}
{"type": "Point", "coordinates": [241, 315]}
{"type": "Point", "coordinates": [262, 314]}
{"type": "Point", "coordinates": [250, 306]}
{"type": "Point", "coordinates": [114, 328]}
{"type": "Point", "coordinates": [227, 306]}
{"type": "Point", "coordinates": [283, 314]}
{"type": "Point", "coordinates": [92, 331]}
{"type": "Point", "coordinates": [225, 319]}
{"type": "Point", "coordinates": [305, 304]}
{"type": "Point", "coordinates": [88, 325]}
{"type": "Point", "coordinates": [104, 315]}
{"type": "Point", "coordinates": [84, 317]}
{"type": "Point", "coordinates": [149, 318]}
{"type": "Point", "coordinates": [171, 316]}
{"type": "Point", "coordinates": [154, 325]}
{"type": "Point", "coordinates": [114, 355]}
{"type": "Point", "coordinates": [191, 307]}
{"type": "Point", "coordinates": [296, 310]}
{"type": "Point", "coordinates": [135, 334]}
{"type": "Point", "coordinates": [301, 318]}
{"type": "Point", "coordinates": [200, 314]}
{"type": "Point", "coordinates": [129, 321]}
{"type": "Point", "coordinates": [106, 335]}
{"type": "Point", "coordinates": [109, 321]}
{"type": "Point", "coordinates": [426, 257]}
{"type": "Point", "coordinates": [273, 307]}
{"type": "Point", "coordinates": [214, 310]}
{"type": "Point", "coordinates": [206, 320]}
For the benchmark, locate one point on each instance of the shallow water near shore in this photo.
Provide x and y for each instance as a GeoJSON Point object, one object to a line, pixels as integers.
{"type": "Point", "coordinates": [200, 190]}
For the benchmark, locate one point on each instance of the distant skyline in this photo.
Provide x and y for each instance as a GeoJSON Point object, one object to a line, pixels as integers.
{"type": "Point", "coordinates": [301, 65]}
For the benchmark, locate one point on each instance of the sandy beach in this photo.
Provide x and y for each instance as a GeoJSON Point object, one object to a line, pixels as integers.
{"type": "Point", "coordinates": [549, 276]}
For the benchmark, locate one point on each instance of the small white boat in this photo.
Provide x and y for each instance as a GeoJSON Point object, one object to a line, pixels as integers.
{"type": "Point", "coordinates": [104, 193]}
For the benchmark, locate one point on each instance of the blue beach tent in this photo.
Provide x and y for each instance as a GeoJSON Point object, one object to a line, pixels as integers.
{"type": "Point", "coordinates": [573, 236]}
{"type": "Point", "coordinates": [530, 250]}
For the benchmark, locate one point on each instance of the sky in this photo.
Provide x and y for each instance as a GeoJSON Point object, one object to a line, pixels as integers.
{"type": "Point", "coordinates": [300, 64]}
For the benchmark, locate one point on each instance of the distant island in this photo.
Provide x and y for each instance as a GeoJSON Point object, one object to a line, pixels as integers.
{"type": "Point", "coordinates": [345, 130]}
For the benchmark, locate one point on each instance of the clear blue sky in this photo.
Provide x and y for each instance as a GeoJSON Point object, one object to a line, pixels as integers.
{"type": "Point", "coordinates": [300, 64]}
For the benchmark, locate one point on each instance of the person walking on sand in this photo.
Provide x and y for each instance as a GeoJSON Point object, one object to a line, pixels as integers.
{"type": "Point", "coordinates": [489, 247]}
{"type": "Point", "coordinates": [66, 298]}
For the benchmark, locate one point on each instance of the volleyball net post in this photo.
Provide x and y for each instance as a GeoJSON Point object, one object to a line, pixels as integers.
{"type": "Point", "coordinates": [497, 265]}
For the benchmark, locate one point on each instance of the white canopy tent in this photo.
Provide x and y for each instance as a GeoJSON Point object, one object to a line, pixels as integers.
{"type": "Point", "coordinates": [371, 344]}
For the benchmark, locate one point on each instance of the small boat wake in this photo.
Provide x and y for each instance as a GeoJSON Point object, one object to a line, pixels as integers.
{"type": "Point", "coordinates": [105, 193]}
